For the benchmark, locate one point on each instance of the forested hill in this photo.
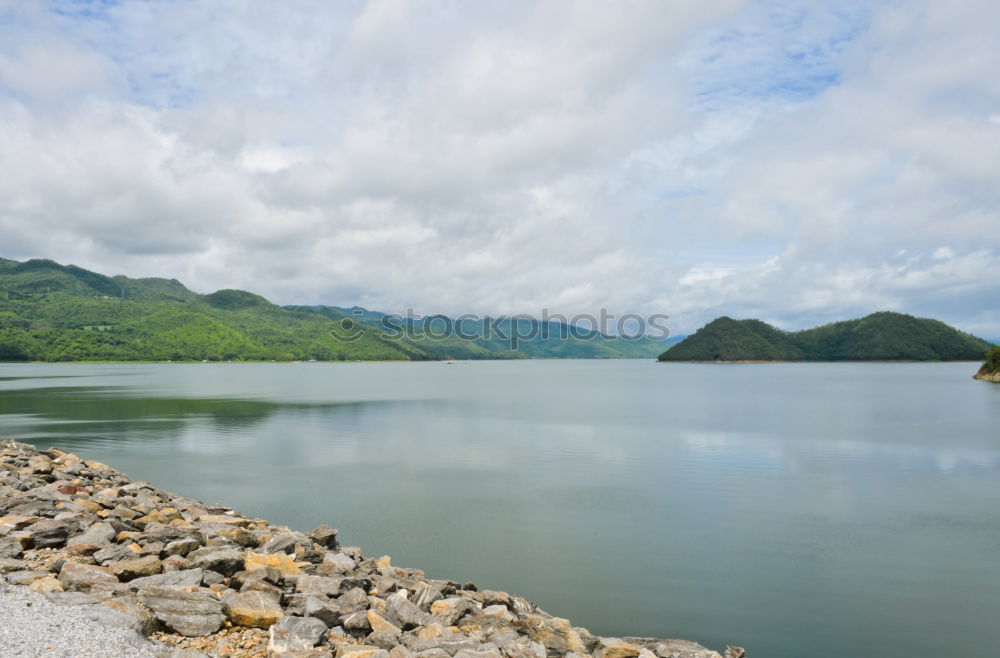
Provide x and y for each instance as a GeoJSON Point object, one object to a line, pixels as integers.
{"type": "Point", "coordinates": [881, 336]}
{"type": "Point", "coordinates": [53, 312]}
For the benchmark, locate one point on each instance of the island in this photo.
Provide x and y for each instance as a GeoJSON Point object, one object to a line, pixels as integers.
{"type": "Point", "coordinates": [990, 371]}
{"type": "Point", "coordinates": [883, 336]}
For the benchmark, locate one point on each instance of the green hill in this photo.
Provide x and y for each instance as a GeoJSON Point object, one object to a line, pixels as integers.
{"type": "Point", "coordinates": [881, 336]}
{"type": "Point", "coordinates": [53, 312]}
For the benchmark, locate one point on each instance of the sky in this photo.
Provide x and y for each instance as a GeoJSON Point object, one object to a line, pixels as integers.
{"type": "Point", "coordinates": [797, 162]}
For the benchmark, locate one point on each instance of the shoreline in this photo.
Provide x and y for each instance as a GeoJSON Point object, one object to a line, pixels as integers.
{"type": "Point", "coordinates": [204, 578]}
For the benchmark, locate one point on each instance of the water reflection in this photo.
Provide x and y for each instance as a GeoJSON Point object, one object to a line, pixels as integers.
{"type": "Point", "coordinates": [822, 510]}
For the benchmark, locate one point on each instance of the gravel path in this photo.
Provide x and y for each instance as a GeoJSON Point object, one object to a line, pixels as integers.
{"type": "Point", "coordinates": [31, 626]}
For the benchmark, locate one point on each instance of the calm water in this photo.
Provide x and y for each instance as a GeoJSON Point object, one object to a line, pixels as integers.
{"type": "Point", "coordinates": [795, 509]}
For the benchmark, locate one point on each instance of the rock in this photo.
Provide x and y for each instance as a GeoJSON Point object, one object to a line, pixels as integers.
{"type": "Point", "coordinates": [380, 624]}
{"type": "Point", "coordinates": [51, 533]}
{"type": "Point", "coordinates": [25, 577]}
{"type": "Point", "coordinates": [336, 563]}
{"type": "Point", "coordinates": [405, 614]}
{"type": "Point", "coordinates": [124, 612]}
{"type": "Point", "coordinates": [187, 613]}
{"type": "Point", "coordinates": [325, 536]}
{"type": "Point", "coordinates": [616, 648]}
{"type": "Point", "coordinates": [328, 585]}
{"type": "Point", "coordinates": [360, 651]}
{"type": "Point", "coordinates": [8, 565]}
{"type": "Point", "coordinates": [127, 570]}
{"type": "Point", "coordinates": [555, 634]}
{"type": "Point", "coordinates": [46, 585]}
{"type": "Point", "coordinates": [84, 577]}
{"type": "Point", "coordinates": [113, 553]}
{"type": "Point", "coordinates": [282, 543]}
{"type": "Point", "coordinates": [185, 578]}
{"type": "Point", "coordinates": [450, 610]}
{"type": "Point", "coordinates": [294, 634]}
{"type": "Point", "coordinates": [11, 548]}
{"type": "Point", "coordinates": [734, 652]}
{"type": "Point", "coordinates": [681, 649]}
{"type": "Point", "coordinates": [399, 651]}
{"type": "Point", "coordinates": [280, 561]}
{"type": "Point", "coordinates": [226, 561]}
{"type": "Point", "coordinates": [175, 563]}
{"type": "Point", "coordinates": [99, 534]}
{"type": "Point", "coordinates": [487, 652]}
{"type": "Point", "coordinates": [253, 608]}
{"type": "Point", "coordinates": [181, 546]}
{"type": "Point", "coordinates": [321, 608]}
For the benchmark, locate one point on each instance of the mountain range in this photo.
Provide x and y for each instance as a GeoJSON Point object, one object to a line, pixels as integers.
{"type": "Point", "coordinates": [883, 336]}
{"type": "Point", "coordinates": [54, 312]}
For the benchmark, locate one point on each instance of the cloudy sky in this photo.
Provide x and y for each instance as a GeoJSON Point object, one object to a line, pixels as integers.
{"type": "Point", "coordinates": [794, 161]}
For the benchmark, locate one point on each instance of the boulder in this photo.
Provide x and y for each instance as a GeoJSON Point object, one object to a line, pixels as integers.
{"type": "Point", "coordinates": [127, 570]}
{"type": "Point", "coordinates": [610, 647]}
{"type": "Point", "coordinates": [123, 612]}
{"type": "Point", "coordinates": [327, 585]}
{"type": "Point", "coordinates": [226, 561]}
{"type": "Point", "coordinates": [52, 533]}
{"type": "Point", "coordinates": [85, 577]}
{"type": "Point", "coordinates": [187, 613]}
{"type": "Point", "coordinates": [294, 634]}
{"type": "Point", "coordinates": [99, 534]}
{"type": "Point", "coordinates": [280, 561]}
{"type": "Point", "coordinates": [380, 624]}
{"type": "Point", "coordinates": [185, 578]}
{"type": "Point", "coordinates": [253, 608]}
{"type": "Point", "coordinates": [336, 563]}
{"type": "Point", "coordinates": [325, 536]}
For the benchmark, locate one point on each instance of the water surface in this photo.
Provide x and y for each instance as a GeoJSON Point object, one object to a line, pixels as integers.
{"type": "Point", "coordinates": [795, 509]}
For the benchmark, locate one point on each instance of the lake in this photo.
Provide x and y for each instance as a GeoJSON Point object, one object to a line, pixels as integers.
{"type": "Point", "coordinates": [794, 509]}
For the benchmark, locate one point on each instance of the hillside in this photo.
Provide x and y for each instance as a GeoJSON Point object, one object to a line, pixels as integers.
{"type": "Point", "coordinates": [54, 312]}
{"type": "Point", "coordinates": [881, 336]}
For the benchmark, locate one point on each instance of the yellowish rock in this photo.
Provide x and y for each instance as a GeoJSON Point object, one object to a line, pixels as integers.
{"type": "Point", "coordinates": [224, 518]}
{"type": "Point", "coordinates": [97, 466]}
{"type": "Point", "coordinates": [280, 561]}
{"type": "Point", "coordinates": [253, 608]}
{"type": "Point", "coordinates": [431, 631]}
{"type": "Point", "coordinates": [380, 624]}
{"type": "Point", "coordinates": [46, 585]}
{"type": "Point", "coordinates": [615, 648]}
{"type": "Point", "coordinates": [359, 651]}
{"type": "Point", "coordinates": [383, 562]}
{"type": "Point", "coordinates": [88, 505]}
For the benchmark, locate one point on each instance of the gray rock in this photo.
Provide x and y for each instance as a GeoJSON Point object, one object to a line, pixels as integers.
{"type": "Point", "coordinates": [181, 546]}
{"type": "Point", "coordinates": [328, 585]}
{"type": "Point", "coordinates": [124, 612]}
{"type": "Point", "coordinates": [325, 536]}
{"type": "Point", "coordinates": [226, 561]}
{"type": "Point", "coordinates": [188, 613]}
{"type": "Point", "coordinates": [113, 553]}
{"type": "Point", "coordinates": [321, 608]}
{"type": "Point", "coordinates": [403, 613]}
{"type": "Point", "coordinates": [283, 543]}
{"type": "Point", "coordinates": [73, 598]}
{"type": "Point", "coordinates": [295, 633]}
{"type": "Point", "coordinates": [336, 563]}
{"type": "Point", "coordinates": [99, 534]}
{"type": "Point", "coordinates": [383, 640]}
{"type": "Point", "coordinates": [25, 577]}
{"type": "Point", "coordinates": [186, 578]}
{"type": "Point", "coordinates": [52, 533]}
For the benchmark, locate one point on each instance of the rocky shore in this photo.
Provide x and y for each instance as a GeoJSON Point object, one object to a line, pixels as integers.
{"type": "Point", "coordinates": [188, 579]}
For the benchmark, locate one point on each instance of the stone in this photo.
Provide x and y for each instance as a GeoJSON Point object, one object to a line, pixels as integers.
{"type": "Point", "coordinates": [99, 534]}
{"type": "Point", "coordinates": [360, 651]}
{"type": "Point", "coordinates": [113, 553]}
{"type": "Point", "coordinates": [450, 610]}
{"type": "Point", "coordinates": [294, 634]}
{"type": "Point", "coordinates": [226, 561]}
{"type": "Point", "coordinates": [253, 608]}
{"type": "Point", "coordinates": [611, 647]}
{"type": "Point", "coordinates": [383, 562]}
{"type": "Point", "coordinates": [124, 612]}
{"type": "Point", "coordinates": [188, 613]}
{"type": "Point", "coordinates": [46, 585]}
{"type": "Point", "coordinates": [51, 533]}
{"type": "Point", "coordinates": [280, 561]}
{"type": "Point", "coordinates": [184, 578]}
{"type": "Point", "coordinates": [181, 546]}
{"type": "Point", "coordinates": [400, 651]}
{"type": "Point", "coordinates": [555, 634]}
{"type": "Point", "coordinates": [282, 543]}
{"type": "Point", "coordinates": [224, 518]}
{"type": "Point", "coordinates": [404, 613]}
{"type": "Point", "coordinates": [328, 585]}
{"type": "Point", "coordinates": [25, 577]}
{"type": "Point", "coordinates": [85, 577]}
{"type": "Point", "coordinates": [127, 570]}
{"type": "Point", "coordinates": [483, 652]}
{"type": "Point", "coordinates": [324, 535]}
{"type": "Point", "coordinates": [380, 624]}
{"type": "Point", "coordinates": [319, 607]}
{"type": "Point", "coordinates": [175, 563]}
{"type": "Point", "coordinates": [336, 563]}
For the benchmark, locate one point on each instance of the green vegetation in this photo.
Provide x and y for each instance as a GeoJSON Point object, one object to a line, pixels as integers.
{"type": "Point", "coordinates": [992, 365]}
{"type": "Point", "coordinates": [878, 337]}
{"type": "Point", "coordinates": [53, 312]}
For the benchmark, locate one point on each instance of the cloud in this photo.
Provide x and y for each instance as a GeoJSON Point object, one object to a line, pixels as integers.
{"type": "Point", "coordinates": [794, 161]}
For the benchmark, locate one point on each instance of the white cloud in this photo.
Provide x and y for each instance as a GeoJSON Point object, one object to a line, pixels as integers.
{"type": "Point", "coordinates": [795, 161]}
